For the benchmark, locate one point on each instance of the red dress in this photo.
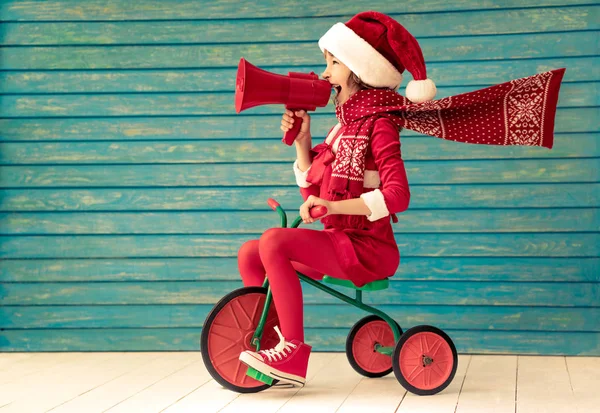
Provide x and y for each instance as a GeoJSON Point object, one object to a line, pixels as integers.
{"type": "Point", "coordinates": [370, 253]}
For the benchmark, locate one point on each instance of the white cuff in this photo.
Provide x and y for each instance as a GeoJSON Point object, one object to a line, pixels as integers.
{"type": "Point", "coordinates": [376, 203]}
{"type": "Point", "coordinates": [301, 176]}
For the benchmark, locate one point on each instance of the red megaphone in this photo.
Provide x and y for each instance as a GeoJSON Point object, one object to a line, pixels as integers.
{"type": "Point", "coordinates": [254, 87]}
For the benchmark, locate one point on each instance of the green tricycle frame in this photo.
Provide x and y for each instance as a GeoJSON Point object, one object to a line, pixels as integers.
{"type": "Point", "coordinates": [356, 302]}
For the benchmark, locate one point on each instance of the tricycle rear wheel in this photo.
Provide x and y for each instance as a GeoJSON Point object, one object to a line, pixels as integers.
{"type": "Point", "coordinates": [364, 336]}
{"type": "Point", "coordinates": [425, 360]}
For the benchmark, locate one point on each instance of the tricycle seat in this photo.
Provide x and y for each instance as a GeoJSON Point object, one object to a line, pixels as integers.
{"type": "Point", "coordinates": [372, 286]}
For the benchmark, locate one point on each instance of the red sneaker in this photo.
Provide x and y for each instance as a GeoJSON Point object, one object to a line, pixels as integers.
{"type": "Point", "coordinates": [286, 362]}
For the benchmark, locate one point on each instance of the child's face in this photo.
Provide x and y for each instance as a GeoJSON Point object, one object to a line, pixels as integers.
{"type": "Point", "coordinates": [338, 75]}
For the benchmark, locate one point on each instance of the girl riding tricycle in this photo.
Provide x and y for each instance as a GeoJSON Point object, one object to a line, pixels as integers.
{"type": "Point", "coordinates": [355, 183]}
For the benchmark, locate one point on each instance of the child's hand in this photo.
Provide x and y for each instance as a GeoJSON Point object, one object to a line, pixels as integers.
{"type": "Point", "coordinates": [287, 121]}
{"type": "Point", "coordinates": [312, 201]}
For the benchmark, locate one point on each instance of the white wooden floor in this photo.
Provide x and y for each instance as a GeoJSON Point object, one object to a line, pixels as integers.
{"type": "Point", "coordinates": [178, 382]}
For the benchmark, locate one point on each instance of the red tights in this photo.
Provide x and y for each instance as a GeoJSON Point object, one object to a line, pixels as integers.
{"type": "Point", "coordinates": [279, 253]}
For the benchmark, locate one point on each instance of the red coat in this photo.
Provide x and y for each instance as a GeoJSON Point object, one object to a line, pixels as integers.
{"type": "Point", "coordinates": [370, 253]}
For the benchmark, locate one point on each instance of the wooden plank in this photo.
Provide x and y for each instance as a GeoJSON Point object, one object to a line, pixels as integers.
{"type": "Point", "coordinates": [322, 339]}
{"type": "Point", "coordinates": [405, 292]}
{"type": "Point", "coordinates": [568, 120]}
{"type": "Point", "coordinates": [43, 393]}
{"type": "Point", "coordinates": [23, 394]}
{"type": "Point", "coordinates": [490, 385]}
{"type": "Point", "coordinates": [584, 377]}
{"type": "Point", "coordinates": [253, 222]}
{"type": "Point", "coordinates": [148, 199]}
{"type": "Point", "coordinates": [443, 49]}
{"type": "Point", "coordinates": [188, 9]}
{"type": "Point", "coordinates": [268, 174]}
{"type": "Point", "coordinates": [383, 394]}
{"type": "Point", "coordinates": [9, 360]}
{"type": "Point", "coordinates": [443, 402]}
{"type": "Point", "coordinates": [211, 396]}
{"type": "Point", "coordinates": [57, 387]}
{"type": "Point", "coordinates": [163, 393]}
{"type": "Point", "coordinates": [37, 365]}
{"type": "Point", "coordinates": [584, 94]}
{"type": "Point", "coordinates": [269, 150]}
{"type": "Point", "coordinates": [299, 29]}
{"type": "Point", "coordinates": [328, 390]}
{"type": "Point", "coordinates": [477, 317]}
{"type": "Point", "coordinates": [571, 95]}
{"type": "Point", "coordinates": [411, 245]}
{"type": "Point", "coordinates": [131, 382]}
{"type": "Point", "coordinates": [543, 385]}
{"type": "Point", "coordinates": [580, 69]}
{"type": "Point", "coordinates": [378, 392]}
{"type": "Point", "coordinates": [249, 199]}
{"type": "Point", "coordinates": [215, 269]}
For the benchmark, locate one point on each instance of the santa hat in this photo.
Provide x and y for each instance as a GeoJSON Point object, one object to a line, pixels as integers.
{"type": "Point", "coordinates": [377, 49]}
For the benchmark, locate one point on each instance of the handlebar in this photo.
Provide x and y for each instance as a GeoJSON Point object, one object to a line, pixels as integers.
{"type": "Point", "coordinates": [315, 212]}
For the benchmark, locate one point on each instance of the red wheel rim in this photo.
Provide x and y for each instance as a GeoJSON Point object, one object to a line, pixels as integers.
{"type": "Point", "coordinates": [230, 334]}
{"type": "Point", "coordinates": [426, 360]}
{"type": "Point", "coordinates": [363, 346]}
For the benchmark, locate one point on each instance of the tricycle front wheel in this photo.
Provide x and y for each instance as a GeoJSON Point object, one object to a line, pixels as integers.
{"type": "Point", "coordinates": [228, 331]}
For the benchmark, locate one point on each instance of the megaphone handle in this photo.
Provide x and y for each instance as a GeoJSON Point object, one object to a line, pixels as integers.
{"type": "Point", "coordinates": [290, 136]}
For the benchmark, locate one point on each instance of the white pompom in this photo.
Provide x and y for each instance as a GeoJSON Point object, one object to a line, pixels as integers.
{"type": "Point", "coordinates": [418, 91]}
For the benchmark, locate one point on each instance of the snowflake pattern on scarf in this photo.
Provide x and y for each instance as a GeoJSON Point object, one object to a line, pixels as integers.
{"type": "Point", "coordinates": [525, 106]}
{"type": "Point", "coordinates": [348, 165]}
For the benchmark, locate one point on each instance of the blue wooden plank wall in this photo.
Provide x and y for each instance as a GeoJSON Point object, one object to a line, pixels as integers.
{"type": "Point", "coordinates": [128, 182]}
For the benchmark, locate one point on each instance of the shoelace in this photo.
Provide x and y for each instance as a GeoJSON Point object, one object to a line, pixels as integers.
{"type": "Point", "coordinates": [280, 350]}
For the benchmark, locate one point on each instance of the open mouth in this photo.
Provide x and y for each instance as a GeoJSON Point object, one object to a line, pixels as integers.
{"type": "Point", "coordinates": [337, 88]}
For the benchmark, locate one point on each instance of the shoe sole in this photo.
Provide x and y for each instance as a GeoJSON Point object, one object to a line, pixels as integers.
{"type": "Point", "coordinates": [256, 364]}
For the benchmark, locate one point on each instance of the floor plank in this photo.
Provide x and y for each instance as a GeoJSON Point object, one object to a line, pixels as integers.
{"type": "Point", "coordinates": [272, 399]}
{"type": "Point", "coordinates": [97, 377]}
{"type": "Point", "coordinates": [174, 382]}
{"type": "Point", "coordinates": [443, 402]}
{"type": "Point", "coordinates": [327, 391]}
{"type": "Point", "coordinates": [543, 385]}
{"type": "Point", "coordinates": [38, 386]}
{"type": "Point", "coordinates": [584, 373]}
{"type": "Point", "coordinates": [6, 359]}
{"type": "Point", "coordinates": [210, 395]}
{"type": "Point", "coordinates": [39, 363]}
{"type": "Point", "coordinates": [167, 391]}
{"type": "Point", "coordinates": [386, 390]}
{"type": "Point", "coordinates": [490, 385]}
{"type": "Point", "coordinates": [135, 379]}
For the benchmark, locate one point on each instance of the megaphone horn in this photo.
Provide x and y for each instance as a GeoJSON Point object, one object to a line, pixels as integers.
{"type": "Point", "coordinates": [255, 86]}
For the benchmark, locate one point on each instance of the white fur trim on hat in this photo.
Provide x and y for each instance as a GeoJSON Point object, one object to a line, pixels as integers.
{"type": "Point", "coordinates": [376, 203]}
{"type": "Point", "coordinates": [360, 57]}
{"type": "Point", "coordinates": [418, 91]}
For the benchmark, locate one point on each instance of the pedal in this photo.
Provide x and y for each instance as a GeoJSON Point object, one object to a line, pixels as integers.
{"type": "Point", "coordinates": [257, 375]}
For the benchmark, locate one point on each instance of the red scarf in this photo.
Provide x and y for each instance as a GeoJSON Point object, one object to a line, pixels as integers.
{"type": "Point", "coordinates": [519, 112]}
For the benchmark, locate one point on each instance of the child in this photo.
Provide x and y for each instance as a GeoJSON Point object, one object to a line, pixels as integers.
{"type": "Point", "coordinates": [358, 173]}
